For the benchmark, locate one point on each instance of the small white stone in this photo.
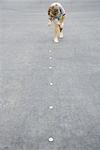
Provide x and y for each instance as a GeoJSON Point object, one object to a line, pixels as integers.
{"type": "Point", "coordinates": [50, 107]}
{"type": "Point", "coordinates": [50, 67]}
{"type": "Point", "coordinates": [50, 57]}
{"type": "Point", "coordinates": [51, 83]}
{"type": "Point", "coordinates": [50, 51]}
{"type": "Point", "coordinates": [51, 139]}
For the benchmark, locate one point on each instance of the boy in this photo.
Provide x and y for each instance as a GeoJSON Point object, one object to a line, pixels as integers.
{"type": "Point", "coordinates": [56, 14]}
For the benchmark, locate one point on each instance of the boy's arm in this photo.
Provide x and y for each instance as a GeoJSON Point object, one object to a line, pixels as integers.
{"type": "Point", "coordinates": [62, 22]}
{"type": "Point", "coordinates": [50, 18]}
{"type": "Point", "coordinates": [62, 10]}
{"type": "Point", "coordinates": [62, 19]}
{"type": "Point", "coordinates": [50, 21]}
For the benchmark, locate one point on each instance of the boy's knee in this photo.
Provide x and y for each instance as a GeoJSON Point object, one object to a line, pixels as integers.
{"type": "Point", "coordinates": [56, 25]}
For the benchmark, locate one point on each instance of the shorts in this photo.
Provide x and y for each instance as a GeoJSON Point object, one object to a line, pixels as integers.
{"type": "Point", "coordinates": [58, 19]}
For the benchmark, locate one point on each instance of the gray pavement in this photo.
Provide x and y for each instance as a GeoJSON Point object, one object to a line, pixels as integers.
{"type": "Point", "coordinates": [26, 120]}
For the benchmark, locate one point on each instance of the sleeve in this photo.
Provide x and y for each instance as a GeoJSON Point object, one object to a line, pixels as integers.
{"type": "Point", "coordinates": [62, 10]}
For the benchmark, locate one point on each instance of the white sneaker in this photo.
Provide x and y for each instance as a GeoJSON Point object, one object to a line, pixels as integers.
{"type": "Point", "coordinates": [56, 40]}
{"type": "Point", "coordinates": [61, 34]}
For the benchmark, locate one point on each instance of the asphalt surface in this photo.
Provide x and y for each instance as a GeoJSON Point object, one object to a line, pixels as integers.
{"type": "Point", "coordinates": [61, 102]}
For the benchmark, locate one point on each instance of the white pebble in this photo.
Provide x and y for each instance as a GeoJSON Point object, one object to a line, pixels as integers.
{"type": "Point", "coordinates": [50, 67]}
{"type": "Point", "coordinates": [50, 51]}
{"type": "Point", "coordinates": [50, 57]}
{"type": "Point", "coordinates": [50, 107]}
{"type": "Point", "coordinates": [51, 83]}
{"type": "Point", "coordinates": [51, 139]}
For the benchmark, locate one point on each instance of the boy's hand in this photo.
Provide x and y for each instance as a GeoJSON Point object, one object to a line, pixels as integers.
{"type": "Point", "coordinates": [49, 23]}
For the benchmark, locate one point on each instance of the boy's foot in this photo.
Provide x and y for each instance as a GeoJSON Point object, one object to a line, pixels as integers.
{"type": "Point", "coordinates": [56, 40]}
{"type": "Point", "coordinates": [61, 34]}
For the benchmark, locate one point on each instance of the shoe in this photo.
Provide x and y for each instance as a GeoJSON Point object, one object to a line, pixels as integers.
{"type": "Point", "coordinates": [61, 34]}
{"type": "Point", "coordinates": [56, 40]}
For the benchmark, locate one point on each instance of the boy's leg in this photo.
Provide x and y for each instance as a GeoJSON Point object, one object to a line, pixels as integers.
{"type": "Point", "coordinates": [56, 31]}
{"type": "Point", "coordinates": [61, 33]}
{"type": "Point", "coordinates": [61, 27]}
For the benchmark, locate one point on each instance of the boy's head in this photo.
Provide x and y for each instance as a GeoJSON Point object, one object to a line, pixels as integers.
{"type": "Point", "coordinates": [53, 11]}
